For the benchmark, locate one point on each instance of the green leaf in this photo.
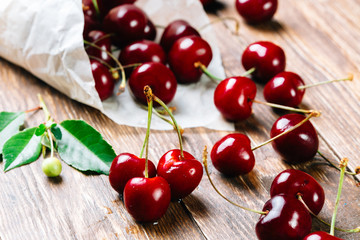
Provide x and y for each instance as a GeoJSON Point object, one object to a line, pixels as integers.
{"type": "Point", "coordinates": [10, 123]}
{"type": "Point", "coordinates": [22, 148]}
{"type": "Point", "coordinates": [40, 130]}
{"type": "Point", "coordinates": [82, 147]}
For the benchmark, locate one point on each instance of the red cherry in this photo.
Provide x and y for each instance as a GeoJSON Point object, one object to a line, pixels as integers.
{"type": "Point", "coordinates": [150, 31]}
{"type": "Point", "coordinates": [233, 98]}
{"type": "Point", "coordinates": [127, 22]}
{"type": "Point", "coordinates": [283, 89]}
{"type": "Point", "coordinates": [91, 19]}
{"type": "Point", "coordinates": [126, 166]}
{"type": "Point", "coordinates": [175, 30]}
{"type": "Point", "coordinates": [267, 58]}
{"type": "Point", "coordinates": [294, 182]}
{"type": "Point", "coordinates": [142, 51]}
{"type": "Point", "coordinates": [232, 155]}
{"type": "Point", "coordinates": [256, 11]}
{"type": "Point", "coordinates": [184, 53]}
{"type": "Point", "coordinates": [320, 235]}
{"type": "Point", "coordinates": [104, 82]}
{"type": "Point", "coordinates": [182, 173]}
{"type": "Point", "coordinates": [147, 199]}
{"type": "Point", "coordinates": [156, 75]}
{"type": "Point", "coordinates": [109, 4]}
{"type": "Point", "coordinates": [287, 219]}
{"type": "Point", "coordinates": [99, 38]}
{"type": "Point", "coordinates": [299, 145]}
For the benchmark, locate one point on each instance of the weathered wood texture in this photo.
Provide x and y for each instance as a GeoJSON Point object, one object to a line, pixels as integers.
{"type": "Point", "coordinates": [320, 39]}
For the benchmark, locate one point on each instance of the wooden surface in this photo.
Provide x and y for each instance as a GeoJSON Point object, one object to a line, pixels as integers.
{"type": "Point", "coordinates": [321, 42]}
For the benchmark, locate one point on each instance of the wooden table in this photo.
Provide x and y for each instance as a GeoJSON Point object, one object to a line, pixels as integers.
{"type": "Point", "coordinates": [321, 41]}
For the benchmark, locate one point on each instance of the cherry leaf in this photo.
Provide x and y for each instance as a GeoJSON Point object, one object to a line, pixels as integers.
{"type": "Point", "coordinates": [10, 123]}
{"type": "Point", "coordinates": [22, 148]}
{"type": "Point", "coordinates": [82, 147]}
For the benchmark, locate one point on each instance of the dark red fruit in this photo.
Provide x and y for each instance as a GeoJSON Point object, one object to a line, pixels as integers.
{"type": "Point", "coordinates": [287, 219]}
{"type": "Point", "coordinates": [233, 98]}
{"type": "Point", "coordinates": [295, 182]}
{"type": "Point", "coordinates": [232, 155]}
{"type": "Point", "coordinates": [184, 53]}
{"type": "Point", "coordinates": [320, 235]}
{"type": "Point", "coordinates": [91, 18]}
{"type": "Point", "coordinates": [283, 89]}
{"type": "Point", "coordinates": [141, 52]}
{"type": "Point", "coordinates": [182, 173]}
{"type": "Point", "coordinates": [256, 11]}
{"type": "Point", "coordinates": [127, 22]}
{"type": "Point", "coordinates": [150, 31]}
{"type": "Point", "coordinates": [109, 4]}
{"type": "Point", "coordinates": [299, 145]}
{"type": "Point", "coordinates": [147, 199]}
{"type": "Point", "coordinates": [103, 42]}
{"type": "Point", "coordinates": [158, 77]}
{"type": "Point", "coordinates": [175, 30]}
{"type": "Point", "coordinates": [267, 58]}
{"type": "Point", "coordinates": [104, 81]}
{"type": "Point", "coordinates": [126, 166]}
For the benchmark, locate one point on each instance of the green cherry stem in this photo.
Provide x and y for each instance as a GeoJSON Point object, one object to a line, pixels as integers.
{"type": "Point", "coordinates": [312, 114]}
{"type": "Point", "coordinates": [204, 69]}
{"type": "Point", "coordinates": [218, 192]}
{"type": "Point", "coordinates": [51, 143]}
{"type": "Point", "coordinates": [45, 109]}
{"type": "Point", "coordinates": [357, 170]}
{"type": "Point", "coordinates": [96, 6]}
{"type": "Point", "coordinates": [177, 128]}
{"type": "Point", "coordinates": [248, 72]}
{"type": "Point", "coordinates": [284, 107]}
{"type": "Point", "coordinates": [349, 78]}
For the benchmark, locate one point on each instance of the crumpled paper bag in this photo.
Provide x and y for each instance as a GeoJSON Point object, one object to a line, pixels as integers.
{"type": "Point", "coordinates": [45, 38]}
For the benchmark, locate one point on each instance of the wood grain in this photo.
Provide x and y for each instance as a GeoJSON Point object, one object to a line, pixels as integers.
{"type": "Point", "coordinates": [320, 39]}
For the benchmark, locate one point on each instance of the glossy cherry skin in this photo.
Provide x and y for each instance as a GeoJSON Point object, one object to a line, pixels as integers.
{"type": "Point", "coordinates": [233, 98]}
{"type": "Point", "coordinates": [91, 19]}
{"type": "Point", "coordinates": [256, 11]}
{"type": "Point", "coordinates": [287, 219]}
{"type": "Point", "coordinates": [320, 235]}
{"type": "Point", "coordinates": [184, 53]}
{"type": "Point", "coordinates": [294, 182]}
{"type": "Point", "coordinates": [126, 166]}
{"type": "Point", "coordinates": [267, 58]}
{"type": "Point", "coordinates": [99, 38]}
{"type": "Point", "coordinates": [147, 199]}
{"type": "Point", "coordinates": [150, 31]}
{"type": "Point", "coordinates": [109, 4]}
{"type": "Point", "coordinates": [299, 145]}
{"type": "Point", "coordinates": [283, 89]}
{"type": "Point", "coordinates": [182, 174]}
{"type": "Point", "coordinates": [141, 52]}
{"type": "Point", "coordinates": [104, 81]}
{"type": "Point", "coordinates": [156, 75]}
{"type": "Point", "coordinates": [127, 22]}
{"type": "Point", "coordinates": [175, 30]}
{"type": "Point", "coordinates": [232, 155]}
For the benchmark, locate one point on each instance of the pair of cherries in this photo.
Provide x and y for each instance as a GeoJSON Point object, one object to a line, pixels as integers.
{"type": "Point", "coordinates": [147, 196]}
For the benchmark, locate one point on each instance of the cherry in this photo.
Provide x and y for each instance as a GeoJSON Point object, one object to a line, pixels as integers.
{"type": "Point", "coordinates": [184, 53]}
{"type": "Point", "coordinates": [287, 219]}
{"type": "Point", "coordinates": [295, 182]}
{"type": "Point", "coordinates": [300, 145]}
{"type": "Point", "coordinates": [175, 30]}
{"type": "Point", "coordinates": [104, 45]}
{"type": "Point", "coordinates": [183, 173]}
{"type": "Point", "coordinates": [104, 81]}
{"type": "Point", "coordinates": [109, 4]}
{"type": "Point", "coordinates": [232, 155]}
{"type": "Point", "coordinates": [320, 235]}
{"type": "Point", "coordinates": [150, 31]}
{"type": "Point", "coordinates": [256, 11]}
{"type": "Point", "coordinates": [233, 98]}
{"type": "Point", "coordinates": [126, 166]}
{"type": "Point", "coordinates": [147, 199]}
{"type": "Point", "coordinates": [267, 58]}
{"type": "Point", "coordinates": [141, 52]}
{"type": "Point", "coordinates": [91, 18]}
{"type": "Point", "coordinates": [127, 22]}
{"type": "Point", "coordinates": [158, 77]}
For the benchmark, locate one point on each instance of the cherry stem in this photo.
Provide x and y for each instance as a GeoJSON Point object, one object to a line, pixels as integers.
{"type": "Point", "coordinates": [177, 128]}
{"type": "Point", "coordinates": [218, 192]}
{"type": "Point", "coordinates": [349, 78]}
{"type": "Point", "coordinates": [312, 114]}
{"type": "Point", "coordinates": [284, 107]}
{"type": "Point", "coordinates": [33, 109]}
{"type": "Point", "coordinates": [149, 98]}
{"type": "Point", "coordinates": [129, 66]}
{"type": "Point", "coordinates": [98, 40]}
{"type": "Point", "coordinates": [96, 6]}
{"type": "Point", "coordinates": [248, 72]}
{"type": "Point", "coordinates": [123, 77]}
{"type": "Point", "coordinates": [222, 19]}
{"type": "Point", "coordinates": [43, 106]}
{"type": "Point", "coordinates": [204, 69]}
{"type": "Point", "coordinates": [51, 143]}
{"type": "Point", "coordinates": [357, 171]}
